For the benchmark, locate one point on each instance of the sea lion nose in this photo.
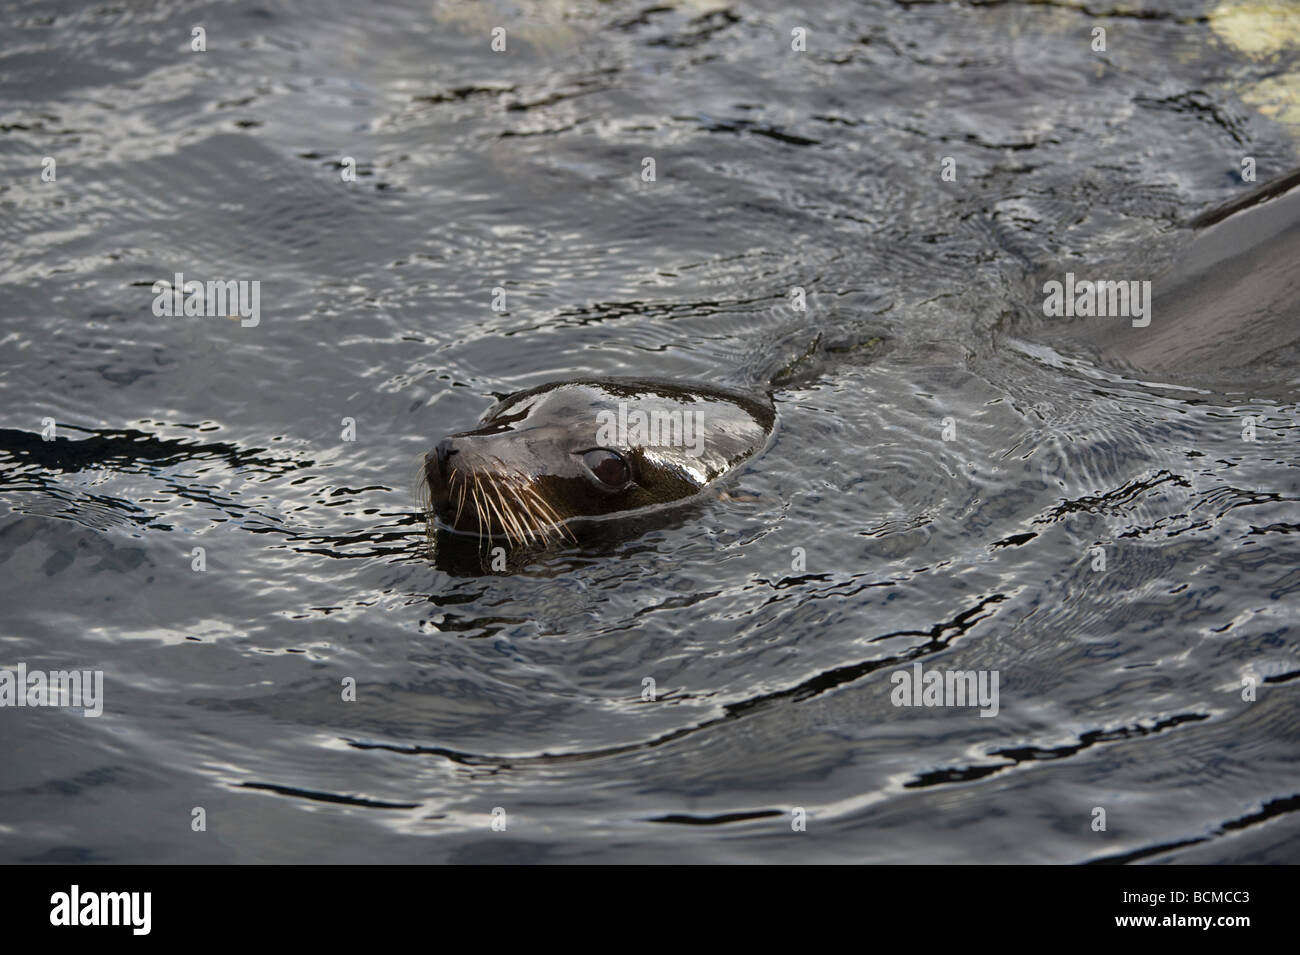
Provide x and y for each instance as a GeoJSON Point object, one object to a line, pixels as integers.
{"type": "Point", "coordinates": [444, 451]}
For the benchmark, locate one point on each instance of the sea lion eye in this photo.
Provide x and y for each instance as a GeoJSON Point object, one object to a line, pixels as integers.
{"type": "Point", "coordinates": [608, 466]}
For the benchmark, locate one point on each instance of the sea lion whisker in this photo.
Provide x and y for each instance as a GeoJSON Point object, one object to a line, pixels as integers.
{"type": "Point", "coordinates": [535, 505]}
{"type": "Point", "coordinates": [507, 479]}
{"type": "Point", "coordinates": [493, 513]}
{"type": "Point", "coordinates": [508, 519]}
{"type": "Point", "coordinates": [521, 525]}
{"type": "Point", "coordinates": [461, 504]}
{"type": "Point", "coordinates": [489, 489]}
{"type": "Point", "coordinates": [478, 509]}
{"type": "Point", "coordinates": [540, 523]}
{"type": "Point", "coordinates": [523, 516]}
{"type": "Point", "coordinates": [508, 516]}
{"type": "Point", "coordinates": [488, 510]}
{"type": "Point", "coordinates": [553, 520]}
{"type": "Point", "coordinates": [546, 510]}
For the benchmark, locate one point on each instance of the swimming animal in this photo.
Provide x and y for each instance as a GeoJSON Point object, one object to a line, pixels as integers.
{"type": "Point", "coordinates": [1225, 317]}
{"type": "Point", "coordinates": [547, 461]}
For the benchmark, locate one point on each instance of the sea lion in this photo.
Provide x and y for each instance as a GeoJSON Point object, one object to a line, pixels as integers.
{"type": "Point", "coordinates": [1226, 315]}
{"type": "Point", "coordinates": [546, 460]}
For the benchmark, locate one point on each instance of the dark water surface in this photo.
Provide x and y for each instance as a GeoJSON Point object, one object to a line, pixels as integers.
{"type": "Point", "coordinates": [1120, 688]}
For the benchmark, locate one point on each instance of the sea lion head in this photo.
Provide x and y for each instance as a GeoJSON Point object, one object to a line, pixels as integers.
{"type": "Point", "coordinates": [547, 457]}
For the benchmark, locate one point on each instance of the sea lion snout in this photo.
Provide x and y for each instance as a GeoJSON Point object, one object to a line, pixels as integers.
{"type": "Point", "coordinates": [443, 452]}
{"type": "Point", "coordinates": [437, 472]}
